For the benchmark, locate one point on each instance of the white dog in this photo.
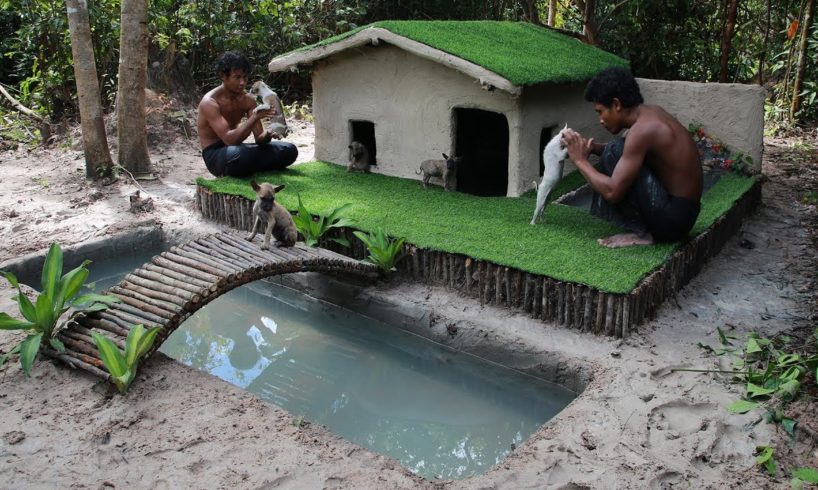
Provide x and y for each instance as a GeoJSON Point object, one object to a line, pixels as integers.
{"type": "Point", "coordinates": [553, 157]}
{"type": "Point", "coordinates": [270, 99]}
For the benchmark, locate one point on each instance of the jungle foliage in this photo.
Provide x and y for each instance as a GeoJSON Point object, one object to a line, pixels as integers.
{"type": "Point", "coordinates": [664, 39]}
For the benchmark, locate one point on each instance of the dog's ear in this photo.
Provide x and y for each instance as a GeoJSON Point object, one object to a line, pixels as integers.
{"type": "Point", "coordinates": [445, 156]}
{"type": "Point", "coordinates": [278, 188]}
{"type": "Point", "coordinates": [254, 185]}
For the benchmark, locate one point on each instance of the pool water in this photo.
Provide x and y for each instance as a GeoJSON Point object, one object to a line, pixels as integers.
{"type": "Point", "coordinates": [439, 412]}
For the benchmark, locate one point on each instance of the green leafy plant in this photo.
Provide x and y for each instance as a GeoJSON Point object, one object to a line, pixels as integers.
{"type": "Point", "coordinates": [122, 364]}
{"type": "Point", "coordinates": [41, 318]}
{"type": "Point", "coordinates": [772, 377]}
{"type": "Point", "coordinates": [803, 475]}
{"type": "Point", "coordinates": [314, 228]}
{"type": "Point", "coordinates": [384, 251]}
{"type": "Point", "coordinates": [765, 458]}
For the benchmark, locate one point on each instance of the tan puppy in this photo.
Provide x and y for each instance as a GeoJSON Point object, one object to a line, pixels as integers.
{"type": "Point", "coordinates": [279, 221]}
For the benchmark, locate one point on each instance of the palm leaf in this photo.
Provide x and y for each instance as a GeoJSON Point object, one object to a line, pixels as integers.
{"type": "Point", "coordinates": [110, 354]}
{"type": "Point", "coordinates": [52, 270]}
{"type": "Point", "coordinates": [28, 351]}
{"type": "Point", "coordinates": [10, 323]}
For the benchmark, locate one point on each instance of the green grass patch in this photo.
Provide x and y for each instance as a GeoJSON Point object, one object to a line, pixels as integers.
{"type": "Point", "coordinates": [496, 229]}
{"type": "Point", "coordinates": [521, 52]}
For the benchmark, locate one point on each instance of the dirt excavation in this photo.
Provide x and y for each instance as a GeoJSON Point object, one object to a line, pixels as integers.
{"type": "Point", "coordinates": [637, 424]}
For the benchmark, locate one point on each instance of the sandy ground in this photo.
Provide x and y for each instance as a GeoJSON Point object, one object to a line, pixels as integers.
{"type": "Point", "coordinates": [637, 425]}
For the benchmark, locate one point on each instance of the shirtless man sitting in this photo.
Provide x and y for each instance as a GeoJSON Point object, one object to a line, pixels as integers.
{"type": "Point", "coordinates": [222, 131]}
{"type": "Point", "coordinates": [650, 180]}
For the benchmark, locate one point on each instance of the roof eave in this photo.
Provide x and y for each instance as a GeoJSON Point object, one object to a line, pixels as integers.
{"type": "Point", "coordinates": [374, 35]}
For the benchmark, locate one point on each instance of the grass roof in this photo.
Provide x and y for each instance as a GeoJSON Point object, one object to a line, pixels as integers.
{"type": "Point", "coordinates": [496, 229]}
{"type": "Point", "coordinates": [520, 52]}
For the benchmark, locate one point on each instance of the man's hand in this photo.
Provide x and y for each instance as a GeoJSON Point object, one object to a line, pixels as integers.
{"type": "Point", "coordinates": [262, 113]}
{"type": "Point", "coordinates": [266, 136]}
{"type": "Point", "coordinates": [578, 147]}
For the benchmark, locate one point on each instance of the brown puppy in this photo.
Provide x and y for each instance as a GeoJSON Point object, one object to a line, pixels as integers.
{"type": "Point", "coordinates": [279, 221]}
{"type": "Point", "coordinates": [358, 157]}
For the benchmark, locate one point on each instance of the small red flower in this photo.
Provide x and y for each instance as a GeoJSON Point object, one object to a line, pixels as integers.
{"type": "Point", "coordinates": [716, 147]}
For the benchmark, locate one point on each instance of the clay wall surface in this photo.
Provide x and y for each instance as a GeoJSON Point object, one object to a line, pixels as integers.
{"type": "Point", "coordinates": [409, 99]}
{"type": "Point", "coordinates": [730, 112]}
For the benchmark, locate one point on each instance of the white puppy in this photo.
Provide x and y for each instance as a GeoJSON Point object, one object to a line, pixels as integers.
{"type": "Point", "coordinates": [270, 99]}
{"type": "Point", "coordinates": [553, 157]}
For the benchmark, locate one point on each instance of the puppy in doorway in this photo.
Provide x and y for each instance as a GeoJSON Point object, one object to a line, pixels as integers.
{"type": "Point", "coordinates": [278, 220]}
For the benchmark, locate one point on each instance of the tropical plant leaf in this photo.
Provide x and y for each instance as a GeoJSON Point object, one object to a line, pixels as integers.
{"type": "Point", "coordinates": [45, 314]}
{"type": "Point", "coordinates": [809, 475]}
{"type": "Point", "coordinates": [753, 390]}
{"type": "Point", "coordinates": [146, 341]}
{"type": "Point", "coordinates": [341, 240]}
{"type": "Point", "coordinates": [52, 270]}
{"type": "Point", "coordinates": [765, 458]}
{"type": "Point", "coordinates": [57, 344]}
{"type": "Point", "coordinates": [5, 357]}
{"type": "Point", "coordinates": [110, 354]}
{"type": "Point", "coordinates": [741, 406]}
{"type": "Point", "coordinates": [26, 307]}
{"type": "Point", "coordinates": [84, 301]}
{"type": "Point", "coordinates": [94, 307]}
{"type": "Point", "coordinates": [28, 351]}
{"type": "Point", "coordinates": [789, 425]}
{"type": "Point", "coordinates": [12, 279]}
{"type": "Point", "coordinates": [10, 323]}
{"type": "Point", "coordinates": [752, 346]}
{"type": "Point", "coordinates": [789, 389]}
{"type": "Point", "coordinates": [72, 282]}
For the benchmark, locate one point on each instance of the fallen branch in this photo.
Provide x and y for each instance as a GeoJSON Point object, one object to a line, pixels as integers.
{"type": "Point", "coordinates": [20, 107]}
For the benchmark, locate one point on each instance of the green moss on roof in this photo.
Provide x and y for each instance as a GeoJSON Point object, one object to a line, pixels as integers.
{"type": "Point", "coordinates": [494, 229]}
{"type": "Point", "coordinates": [522, 53]}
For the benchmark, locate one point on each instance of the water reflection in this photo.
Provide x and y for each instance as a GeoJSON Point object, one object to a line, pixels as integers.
{"type": "Point", "coordinates": [440, 413]}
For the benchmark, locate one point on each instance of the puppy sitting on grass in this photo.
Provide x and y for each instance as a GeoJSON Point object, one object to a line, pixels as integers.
{"type": "Point", "coordinates": [279, 221]}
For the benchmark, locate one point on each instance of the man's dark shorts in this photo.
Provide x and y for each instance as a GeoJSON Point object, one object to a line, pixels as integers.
{"type": "Point", "coordinates": [247, 159]}
{"type": "Point", "coordinates": [647, 206]}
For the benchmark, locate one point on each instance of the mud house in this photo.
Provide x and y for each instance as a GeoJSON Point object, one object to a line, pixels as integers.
{"type": "Point", "coordinates": [491, 92]}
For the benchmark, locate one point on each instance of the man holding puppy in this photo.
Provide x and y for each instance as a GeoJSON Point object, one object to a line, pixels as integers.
{"type": "Point", "coordinates": [650, 180]}
{"type": "Point", "coordinates": [227, 117]}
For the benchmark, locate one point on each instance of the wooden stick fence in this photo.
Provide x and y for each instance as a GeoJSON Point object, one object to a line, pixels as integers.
{"type": "Point", "coordinates": [572, 305]}
{"type": "Point", "coordinates": [176, 283]}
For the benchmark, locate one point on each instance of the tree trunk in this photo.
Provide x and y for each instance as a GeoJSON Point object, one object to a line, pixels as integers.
{"type": "Point", "coordinates": [130, 97]}
{"type": "Point", "coordinates": [98, 161]}
{"type": "Point", "coordinates": [589, 23]}
{"type": "Point", "coordinates": [552, 12]}
{"type": "Point", "coordinates": [802, 59]}
{"type": "Point", "coordinates": [532, 13]}
{"type": "Point", "coordinates": [727, 38]}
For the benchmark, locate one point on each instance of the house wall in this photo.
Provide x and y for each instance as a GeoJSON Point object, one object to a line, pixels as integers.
{"type": "Point", "coordinates": [732, 113]}
{"type": "Point", "coordinates": [409, 99]}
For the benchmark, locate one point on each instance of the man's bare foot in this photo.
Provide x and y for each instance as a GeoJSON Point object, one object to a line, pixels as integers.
{"type": "Point", "coordinates": [626, 240]}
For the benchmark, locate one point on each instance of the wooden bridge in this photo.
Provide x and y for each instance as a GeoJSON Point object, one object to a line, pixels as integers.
{"type": "Point", "coordinates": [174, 284]}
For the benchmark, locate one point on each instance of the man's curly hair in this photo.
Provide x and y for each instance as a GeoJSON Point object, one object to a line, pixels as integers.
{"type": "Point", "coordinates": [614, 82]}
{"type": "Point", "coordinates": [232, 60]}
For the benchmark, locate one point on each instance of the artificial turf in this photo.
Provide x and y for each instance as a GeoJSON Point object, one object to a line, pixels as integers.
{"type": "Point", "coordinates": [520, 52]}
{"type": "Point", "coordinates": [495, 229]}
